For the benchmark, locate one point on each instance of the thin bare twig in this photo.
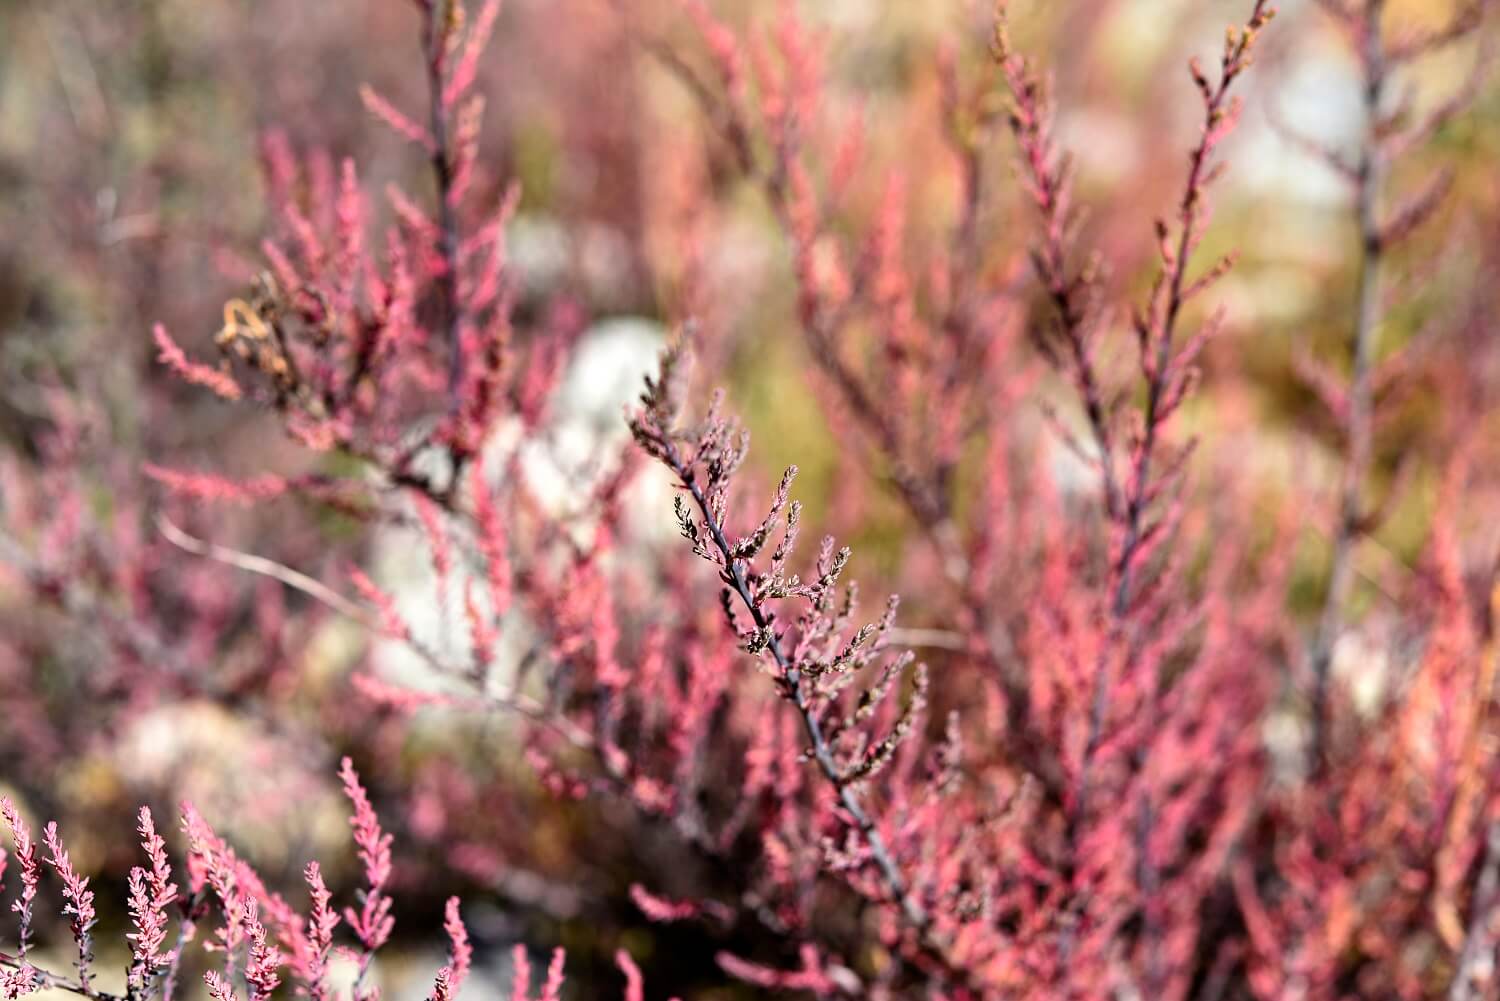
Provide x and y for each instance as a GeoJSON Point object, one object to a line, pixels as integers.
{"type": "Point", "coordinates": [294, 579]}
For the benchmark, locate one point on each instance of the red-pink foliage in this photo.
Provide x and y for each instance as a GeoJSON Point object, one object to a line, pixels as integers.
{"type": "Point", "coordinates": [1066, 784]}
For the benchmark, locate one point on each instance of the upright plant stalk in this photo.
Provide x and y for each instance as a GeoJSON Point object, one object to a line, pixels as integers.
{"type": "Point", "coordinates": [438, 17]}
{"type": "Point", "coordinates": [791, 676]}
{"type": "Point", "coordinates": [702, 461]}
{"type": "Point", "coordinates": [1165, 362]}
{"type": "Point", "coordinates": [1368, 179]}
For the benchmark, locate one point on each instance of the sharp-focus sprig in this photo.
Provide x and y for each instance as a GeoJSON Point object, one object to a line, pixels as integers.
{"type": "Point", "coordinates": [813, 660]}
{"type": "Point", "coordinates": [30, 871]}
{"type": "Point", "coordinates": [80, 902]}
{"type": "Point", "coordinates": [151, 893]}
{"type": "Point", "coordinates": [321, 923]}
{"type": "Point", "coordinates": [372, 921]}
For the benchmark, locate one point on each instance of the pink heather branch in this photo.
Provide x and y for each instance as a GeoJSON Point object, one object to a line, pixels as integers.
{"type": "Point", "coordinates": [492, 542]}
{"type": "Point", "coordinates": [395, 118]}
{"type": "Point", "coordinates": [213, 866]}
{"type": "Point", "coordinates": [1165, 367]}
{"type": "Point", "coordinates": [219, 987]}
{"type": "Point", "coordinates": [520, 978]}
{"type": "Point", "coordinates": [520, 988]}
{"type": "Point", "coordinates": [634, 988]}
{"type": "Point", "coordinates": [392, 625]}
{"type": "Point", "coordinates": [373, 922]}
{"type": "Point", "coordinates": [172, 356]}
{"type": "Point", "coordinates": [460, 952]}
{"type": "Point", "coordinates": [1139, 480]}
{"type": "Point", "coordinates": [716, 451]}
{"type": "Point", "coordinates": [332, 337]}
{"type": "Point", "coordinates": [462, 77]}
{"type": "Point", "coordinates": [80, 902]}
{"type": "Point", "coordinates": [660, 909]}
{"type": "Point", "coordinates": [254, 918]}
{"type": "Point", "coordinates": [321, 923]}
{"type": "Point", "coordinates": [151, 893]}
{"type": "Point", "coordinates": [1072, 290]}
{"type": "Point", "coordinates": [30, 871]}
{"type": "Point", "coordinates": [810, 978]}
{"type": "Point", "coordinates": [440, 546]}
{"type": "Point", "coordinates": [262, 968]}
{"type": "Point", "coordinates": [383, 695]}
{"type": "Point", "coordinates": [218, 489]}
{"type": "Point", "coordinates": [482, 633]}
{"type": "Point", "coordinates": [374, 845]}
{"type": "Point", "coordinates": [437, 28]}
{"type": "Point", "coordinates": [552, 986]}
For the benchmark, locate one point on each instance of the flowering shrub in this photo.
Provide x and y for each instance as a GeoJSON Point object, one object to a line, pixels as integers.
{"type": "Point", "coordinates": [224, 888]}
{"type": "Point", "coordinates": [1152, 720]}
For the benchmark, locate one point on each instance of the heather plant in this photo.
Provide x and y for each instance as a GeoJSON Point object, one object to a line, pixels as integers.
{"type": "Point", "coordinates": [1105, 744]}
{"type": "Point", "coordinates": [226, 895]}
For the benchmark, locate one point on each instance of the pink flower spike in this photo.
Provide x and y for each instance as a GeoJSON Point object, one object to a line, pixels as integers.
{"type": "Point", "coordinates": [150, 895]}
{"type": "Point", "coordinates": [320, 925]}
{"type": "Point", "coordinates": [374, 845]}
{"type": "Point", "coordinates": [468, 61]}
{"type": "Point", "coordinates": [170, 354]}
{"type": "Point", "coordinates": [442, 985]}
{"type": "Point", "coordinates": [373, 922]}
{"type": "Point", "coordinates": [261, 972]}
{"type": "Point", "coordinates": [394, 118]}
{"type": "Point", "coordinates": [80, 901]}
{"type": "Point", "coordinates": [439, 545]}
{"type": "Point", "coordinates": [391, 623]}
{"type": "Point", "coordinates": [30, 871]}
{"type": "Point", "coordinates": [552, 989]}
{"type": "Point", "coordinates": [461, 953]}
{"type": "Point", "coordinates": [660, 909]}
{"type": "Point", "coordinates": [520, 983]}
{"type": "Point", "coordinates": [493, 545]}
{"type": "Point", "coordinates": [634, 988]}
{"type": "Point", "coordinates": [219, 988]}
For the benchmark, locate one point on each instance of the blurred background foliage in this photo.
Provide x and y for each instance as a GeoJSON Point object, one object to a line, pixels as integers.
{"type": "Point", "coordinates": [130, 193]}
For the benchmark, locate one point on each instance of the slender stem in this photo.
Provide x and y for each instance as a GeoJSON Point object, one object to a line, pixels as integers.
{"type": "Point", "coordinates": [1368, 179]}
{"type": "Point", "coordinates": [734, 570]}
{"type": "Point", "coordinates": [1156, 386]}
{"type": "Point", "coordinates": [57, 981]}
{"type": "Point", "coordinates": [791, 677]}
{"type": "Point", "coordinates": [1138, 493]}
{"type": "Point", "coordinates": [186, 928]}
{"type": "Point", "coordinates": [1479, 941]}
{"type": "Point", "coordinates": [294, 579]}
{"type": "Point", "coordinates": [442, 170]}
